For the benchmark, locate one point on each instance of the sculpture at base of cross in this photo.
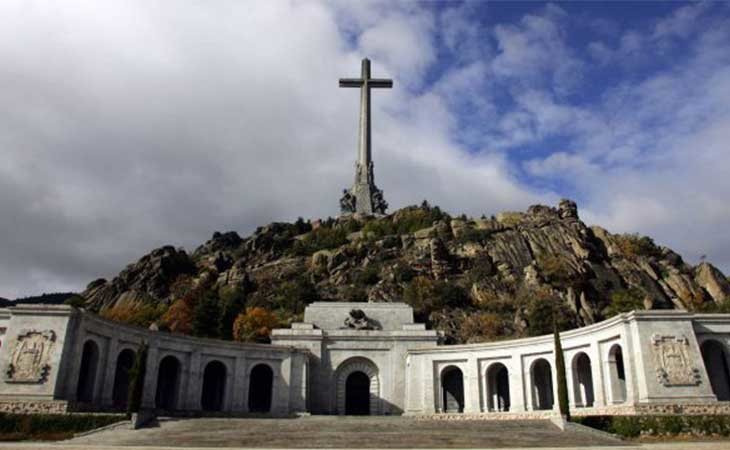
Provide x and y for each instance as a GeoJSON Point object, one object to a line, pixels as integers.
{"type": "Point", "coordinates": [362, 199]}
{"type": "Point", "coordinates": [379, 203]}
{"type": "Point", "coordinates": [347, 202]}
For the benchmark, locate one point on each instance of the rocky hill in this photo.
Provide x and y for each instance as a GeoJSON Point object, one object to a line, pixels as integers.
{"type": "Point", "coordinates": [475, 279]}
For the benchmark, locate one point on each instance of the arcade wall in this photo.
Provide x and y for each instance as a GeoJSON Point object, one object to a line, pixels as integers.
{"type": "Point", "coordinates": [59, 358]}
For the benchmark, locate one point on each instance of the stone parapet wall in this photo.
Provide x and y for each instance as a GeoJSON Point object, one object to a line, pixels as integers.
{"type": "Point", "coordinates": [704, 409]}
{"type": "Point", "coordinates": [34, 406]}
{"type": "Point", "coordinates": [715, 408]}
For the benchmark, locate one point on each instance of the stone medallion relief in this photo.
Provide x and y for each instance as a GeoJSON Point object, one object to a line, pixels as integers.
{"type": "Point", "coordinates": [29, 360]}
{"type": "Point", "coordinates": [672, 361]}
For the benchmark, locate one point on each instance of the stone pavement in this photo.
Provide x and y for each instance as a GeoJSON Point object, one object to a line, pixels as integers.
{"type": "Point", "coordinates": [347, 432]}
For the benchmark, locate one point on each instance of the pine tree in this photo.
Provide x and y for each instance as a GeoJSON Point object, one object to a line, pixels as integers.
{"type": "Point", "coordinates": [136, 380]}
{"type": "Point", "coordinates": [206, 316]}
{"type": "Point", "coordinates": [233, 302]}
{"type": "Point", "coordinates": [560, 369]}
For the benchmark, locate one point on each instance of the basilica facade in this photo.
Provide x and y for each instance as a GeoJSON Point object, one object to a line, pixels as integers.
{"type": "Point", "coordinates": [365, 358]}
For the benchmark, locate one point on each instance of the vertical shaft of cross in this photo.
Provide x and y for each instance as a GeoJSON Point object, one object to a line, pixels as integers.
{"type": "Point", "coordinates": [364, 155]}
{"type": "Point", "coordinates": [364, 197]}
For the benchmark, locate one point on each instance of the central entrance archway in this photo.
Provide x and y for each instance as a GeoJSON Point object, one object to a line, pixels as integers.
{"type": "Point", "coordinates": [357, 394]}
{"type": "Point", "coordinates": [358, 388]}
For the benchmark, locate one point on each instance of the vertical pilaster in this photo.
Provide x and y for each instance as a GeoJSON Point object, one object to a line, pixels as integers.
{"type": "Point", "coordinates": [191, 382]}
{"type": "Point", "coordinates": [240, 382]}
{"type": "Point", "coordinates": [110, 372]}
{"type": "Point", "coordinates": [597, 374]}
{"type": "Point", "coordinates": [150, 380]}
{"type": "Point", "coordinates": [471, 386]}
{"type": "Point", "coordinates": [517, 385]}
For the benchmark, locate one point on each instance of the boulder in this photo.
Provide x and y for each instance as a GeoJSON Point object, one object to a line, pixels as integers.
{"type": "Point", "coordinates": [712, 281]}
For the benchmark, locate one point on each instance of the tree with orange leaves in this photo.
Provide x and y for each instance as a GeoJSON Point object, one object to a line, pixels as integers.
{"type": "Point", "coordinates": [255, 325]}
{"type": "Point", "coordinates": [179, 317]}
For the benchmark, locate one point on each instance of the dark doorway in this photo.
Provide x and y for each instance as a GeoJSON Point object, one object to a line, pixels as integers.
{"type": "Point", "coordinates": [452, 385]}
{"type": "Point", "coordinates": [357, 394]}
{"type": "Point", "coordinates": [582, 381]}
{"type": "Point", "coordinates": [214, 386]}
{"type": "Point", "coordinates": [125, 361]}
{"type": "Point", "coordinates": [617, 374]}
{"type": "Point", "coordinates": [542, 385]}
{"type": "Point", "coordinates": [498, 388]}
{"type": "Point", "coordinates": [167, 383]}
{"type": "Point", "coordinates": [716, 365]}
{"type": "Point", "coordinates": [259, 389]}
{"type": "Point", "coordinates": [87, 372]}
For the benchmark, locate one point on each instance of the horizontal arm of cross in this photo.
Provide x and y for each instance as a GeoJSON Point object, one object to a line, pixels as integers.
{"type": "Point", "coordinates": [373, 82]}
{"type": "Point", "coordinates": [380, 83]}
{"type": "Point", "coordinates": [350, 82]}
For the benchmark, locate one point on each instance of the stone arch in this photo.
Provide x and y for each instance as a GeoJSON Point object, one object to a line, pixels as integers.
{"type": "Point", "coordinates": [87, 372]}
{"type": "Point", "coordinates": [260, 388]}
{"type": "Point", "coordinates": [617, 374]}
{"type": "Point", "coordinates": [213, 393]}
{"type": "Point", "coordinates": [168, 383]}
{"type": "Point", "coordinates": [120, 391]}
{"type": "Point", "coordinates": [452, 390]}
{"type": "Point", "coordinates": [497, 378]}
{"type": "Point", "coordinates": [367, 368]}
{"type": "Point", "coordinates": [714, 355]}
{"type": "Point", "coordinates": [542, 385]}
{"type": "Point", "coordinates": [583, 395]}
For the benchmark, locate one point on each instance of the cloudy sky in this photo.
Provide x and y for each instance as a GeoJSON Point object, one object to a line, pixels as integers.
{"type": "Point", "coordinates": [131, 124]}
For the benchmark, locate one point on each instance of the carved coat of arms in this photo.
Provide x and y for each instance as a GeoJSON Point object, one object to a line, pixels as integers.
{"type": "Point", "coordinates": [672, 361]}
{"type": "Point", "coordinates": [30, 356]}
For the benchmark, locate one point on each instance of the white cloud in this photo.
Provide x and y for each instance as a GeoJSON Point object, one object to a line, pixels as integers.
{"type": "Point", "coordinates": [131, 125]}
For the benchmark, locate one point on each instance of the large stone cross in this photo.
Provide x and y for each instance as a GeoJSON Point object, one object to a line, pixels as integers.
{"type": "Point", "coordinates": [364, 197]}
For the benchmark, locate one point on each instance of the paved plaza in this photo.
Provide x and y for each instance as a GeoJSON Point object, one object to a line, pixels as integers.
{"type": "Point", "coordinates": [347, 432]}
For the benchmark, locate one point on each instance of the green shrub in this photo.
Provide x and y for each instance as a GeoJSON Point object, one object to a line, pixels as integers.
{"type": "Point", "coordinates": [634, 245]}
{"type": "Point", "coordinates": [368, 276]}
{"type": "Point", "coordinates": [292, 296]}
{"type": "Point", "coordinates": [624, 300]}
{"type": "Point", "coordinates": [635, 426]}
{"type": "Point", "coordinates": [471, 234]}
{"type": "Point", "coordinates": [76, 301]}
{"type": "Point", "coordinates": [542, 306]}
{"type": "Point", "coordinates": [403, 273]}
{"type": "Point", "coordinates": [426, 295]}
{"type": "Point", "coordinates": [406, 221]}
{"type": "Point", "coordinates": [625, 426]}
{"type": "Point", "coordinates": [50, 426]}
{"type": "Point", "coordinates": [320, 239]}
{"type": "Point", "coordinates": [557, 271]}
